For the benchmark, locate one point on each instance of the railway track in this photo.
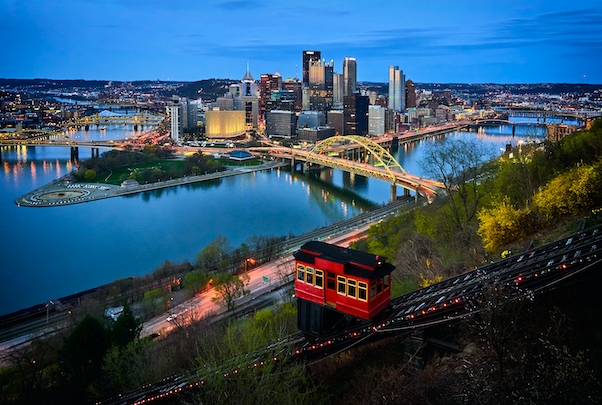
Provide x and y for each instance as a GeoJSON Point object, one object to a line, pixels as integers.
{"type": "Point", "coordinates": [536, 271]}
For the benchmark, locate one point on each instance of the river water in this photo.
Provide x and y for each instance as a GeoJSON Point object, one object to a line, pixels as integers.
{"type": "Point", "coordinates": [48, 253]}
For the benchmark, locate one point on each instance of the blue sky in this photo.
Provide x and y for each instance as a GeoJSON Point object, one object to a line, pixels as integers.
{"type": "Point", "coordinates": [431, 41]}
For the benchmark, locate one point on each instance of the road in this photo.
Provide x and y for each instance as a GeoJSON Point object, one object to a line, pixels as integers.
{"type": "Point", "coordinates": [201, 305]}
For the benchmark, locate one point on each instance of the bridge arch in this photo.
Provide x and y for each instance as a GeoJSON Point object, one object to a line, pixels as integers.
{"type": "Point", "coordinates": [379, 153]}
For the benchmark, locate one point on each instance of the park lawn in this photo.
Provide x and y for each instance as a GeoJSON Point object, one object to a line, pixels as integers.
{"type": "Point", "coordinates": [114, 177]}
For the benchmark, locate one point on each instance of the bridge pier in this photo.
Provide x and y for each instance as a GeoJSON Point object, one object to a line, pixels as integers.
{"type": "Point", "coordinates": [87, 127]}
{"type": "Point", "coordinates": [136, 127]}
{"type": "Point", "coordinates": [406, 192]}
{"type": "Point", "coordinates": [394, 192]}
{"type": "Point", "coordinates": [74, 153]}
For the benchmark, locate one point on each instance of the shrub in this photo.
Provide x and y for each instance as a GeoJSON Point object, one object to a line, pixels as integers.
{"type": "Point", "coordinates": [502, 224]}
{"type": "Point", "coordinates": [570, 192]}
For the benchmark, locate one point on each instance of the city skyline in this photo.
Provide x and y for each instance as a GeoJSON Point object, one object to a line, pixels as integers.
{"type": "Point", "coordinates": [510, 42]}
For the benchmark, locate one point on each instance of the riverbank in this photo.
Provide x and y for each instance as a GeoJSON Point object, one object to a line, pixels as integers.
{"type": "Point", "coordinates": [62, 192]}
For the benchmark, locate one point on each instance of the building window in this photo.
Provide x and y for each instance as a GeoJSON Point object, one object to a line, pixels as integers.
{"type": "Point", "coordinates": [319, 278]}
{"type": "Point", "coordinates": [379, 286]}
{"type": "Point", "coordinates": [372, 289]}
{"type": "Point", "coordinates": [351, 288]}
{"type": "Point", "coordinates": [386, 282]}
{"type": "Point", "coordinates": [300, 272]}
{"type": "Point", "coordinates": [362, 292]}
{"type": "Point", "coordinates": [310, 275]}
{"type": "Point", "coordinates": [341, 285]}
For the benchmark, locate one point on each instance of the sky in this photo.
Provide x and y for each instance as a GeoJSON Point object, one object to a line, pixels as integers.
{"type": "Point", "coordinates": [431, 41]}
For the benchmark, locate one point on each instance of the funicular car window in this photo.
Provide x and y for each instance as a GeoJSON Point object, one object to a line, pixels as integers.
{"type": "Point", "coordinates": [300, 272]}
{"type": "Point", "coordinates": [341, 285]}
{"type": "Point", "coordinates": [310, 275]}
{"type": "Point", "coordinates": [319, 278]}
{"type": "Point", "coordinates": [362, 291]}
{"type": "Point", "coordinates": [351, 288]}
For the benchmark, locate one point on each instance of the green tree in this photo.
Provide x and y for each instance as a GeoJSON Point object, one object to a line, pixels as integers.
{"type": "Point", "coordinates": [81, 355]}
{"type": "Point", "coordinates": [214, 257]}
{"type": "Point", "coordinates": [229, 288]}
{"type": "Point", "coordinates": [126, 328]}
{"type": "Point", "coordinates": [154, 300]}
{"type": "Point", "coordinates": [89, 174]}
{"type": "Point", "coordinates": [196, 280]}
{"type": "Point", "coordinates": [460, 166]}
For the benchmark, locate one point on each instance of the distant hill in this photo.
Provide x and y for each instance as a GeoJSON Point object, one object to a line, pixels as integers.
{"type": "Point", "coordinates": [482, 88]}
{"type": "Point", "coordinates": [209, 89]}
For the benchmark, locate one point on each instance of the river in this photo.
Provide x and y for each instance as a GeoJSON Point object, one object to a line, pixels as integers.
{"type": "Point", "coordinates": [53, 252]}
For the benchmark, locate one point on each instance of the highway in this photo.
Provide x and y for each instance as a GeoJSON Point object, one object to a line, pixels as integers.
{"type": "Point", "coordinates": [341, 233]}
{"type": "Point", "coordinates": [276, 271]}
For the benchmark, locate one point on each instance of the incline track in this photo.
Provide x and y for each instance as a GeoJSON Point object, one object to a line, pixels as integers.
{"type": "Point", "coordinates": [538, 270]}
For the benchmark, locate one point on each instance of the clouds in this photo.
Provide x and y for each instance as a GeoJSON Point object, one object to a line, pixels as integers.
{"type": "Point", "coordinates": [189, 40]}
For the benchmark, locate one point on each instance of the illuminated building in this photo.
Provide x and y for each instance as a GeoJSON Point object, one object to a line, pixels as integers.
{"type": "Point", "coordinates": [267, 84]}
{"type": "Point", "coordinates": [311, 119]}
{"type": "Point", "coordinates": [335, 120]}
{"type": "Point", "coordinates": [338, 89]}
{"type": "Point", "coordinates": [349, 76]}
{"type": "Point", "coordinates": [281, 100]}
{"type": "Point", "coordinates": [224, 124]}
{"type": "Point", "coordinates": [183, 116]}
{"type": "Point", "coordinates": [307, 57]}
{"type": "Point", "coordinates": [295, 86]}
{"type": "Point", "coordinates": [250, 101]}
{"type": "Point", "coordinates": [376, 120]}
{"type": "Point", "coordinates": [320, 85]}
{"type": "Point", "coordinates": [281, 124]}
{"type": "Point", "coordinates": [355, 115]}
{"type": "Point", "coordinates": [397, 97]}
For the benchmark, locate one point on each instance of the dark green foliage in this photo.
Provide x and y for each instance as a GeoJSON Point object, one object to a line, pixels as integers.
{"type": "Point", "coordinates": [126, 328]}
{"type": "Point", "coordinates": [81, 355]}
{"type": "Point", "coordinates": [202, 163]}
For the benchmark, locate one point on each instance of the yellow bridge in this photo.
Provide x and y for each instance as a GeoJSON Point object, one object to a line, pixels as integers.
{"type": "Point", "coordinates": [360, 155]}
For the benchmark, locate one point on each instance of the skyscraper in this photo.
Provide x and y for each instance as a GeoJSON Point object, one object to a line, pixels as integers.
{"type": "Point", "coordinates": [397, 97]}
{"type": "Point", "coordinates": [349, 76]}
{"type": "Point", "coordinates": [250, 101]}
{"type": "Point", "coordinates": [268, 83]}
{"type": "Point", "coordinates": [295, 85]}
{"type": "Point", "coordinates": [355, 115]}
{"type": "Point", "coordinates": [410, 94]}
{"type": "Point", "coordinates": [320, 85]}
{"type": "Point", "coordinates": [338, 90]}
{"type": "Point", "coordinates": [308, 56]}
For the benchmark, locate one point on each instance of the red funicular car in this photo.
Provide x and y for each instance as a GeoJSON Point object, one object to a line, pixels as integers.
{"type": "Point", "coordinates": [332, 281]}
